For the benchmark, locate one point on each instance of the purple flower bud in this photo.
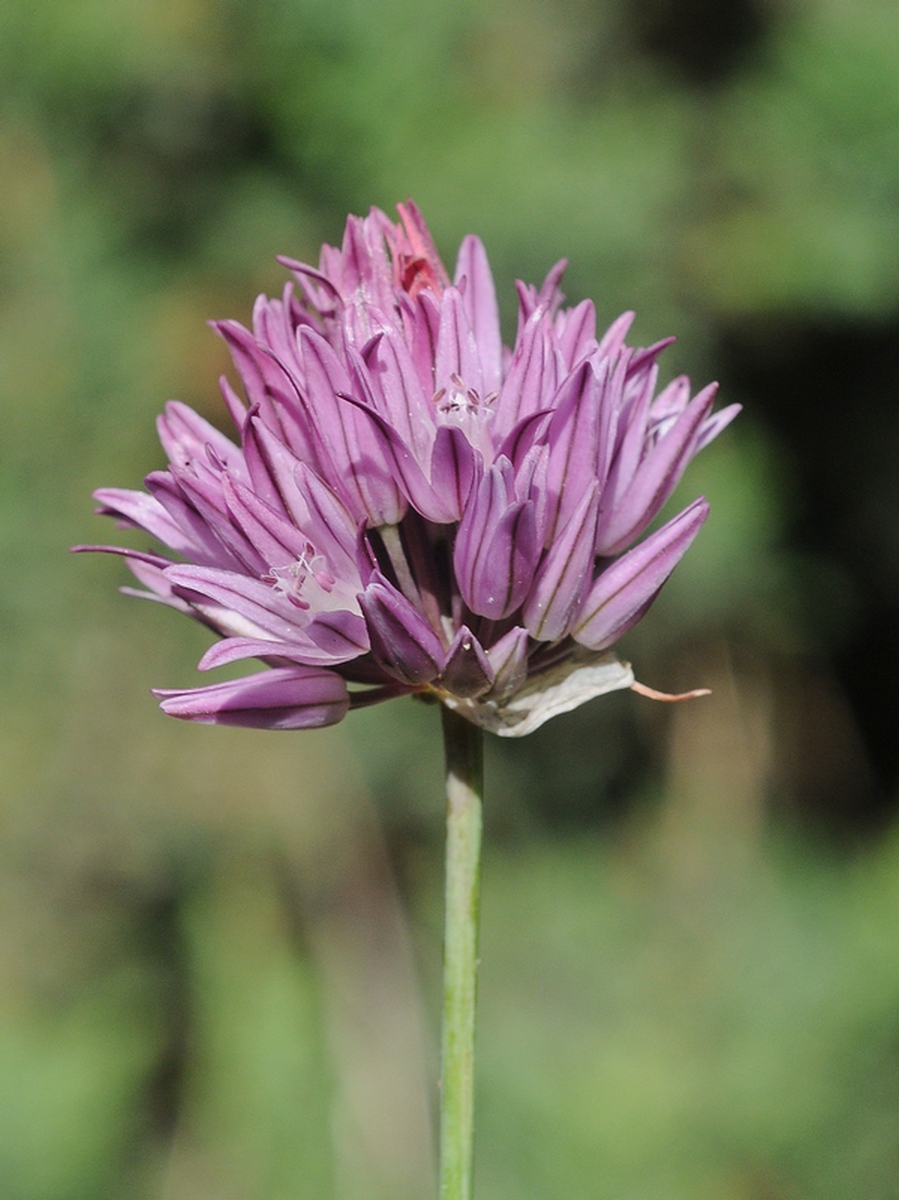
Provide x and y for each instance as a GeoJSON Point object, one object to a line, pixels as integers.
{"type": "Point", "coordinates": [468, 671]}
{"type": "Point", "coordinates": [497, 547]}
{"type": "Point", "coordinates": [402, 641]}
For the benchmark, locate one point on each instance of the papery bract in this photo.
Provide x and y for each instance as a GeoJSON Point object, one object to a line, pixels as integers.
{"type": "Point", "coordinates": [411, 509]}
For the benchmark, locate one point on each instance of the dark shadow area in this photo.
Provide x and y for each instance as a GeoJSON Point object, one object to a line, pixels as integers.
{"type": "Point", "coordinates": [828, 392]}
{"type": "Point", "coordinates": [702, 41]}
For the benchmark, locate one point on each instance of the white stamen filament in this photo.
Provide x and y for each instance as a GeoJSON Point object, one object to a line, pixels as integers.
{"type": "Point", "coordinates": [309, 585]}
{"type": "Point", "coordinates": [462, 406]}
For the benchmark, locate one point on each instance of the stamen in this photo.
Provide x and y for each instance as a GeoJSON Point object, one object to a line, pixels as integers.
{"type": "Point", "coordinates": [291, 580]}
{"type": "Point", "coordinates": [309, 584]}
{"type": "Point", "coordinates": [462, 406]}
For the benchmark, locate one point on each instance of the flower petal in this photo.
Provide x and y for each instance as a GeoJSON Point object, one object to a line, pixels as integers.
{"type": "Point", "coordinates": [577, 332]}
{"type": "Point", "coordinates": [399, 396]}
{"type": "Point", "coordinates": [422, 244]}
{"type": "Point", "coordinates": [340, 632]}
{"type": "Point", "coordinates": [186, 436]}
{"type": "Point", "coordinates": [329, 523]}
{"type": "Point", "coordinates": [574, 440]}
{"type": "Point", "coordinates": [265, 478]}
{"type": "Point", "coordinates": [612, 340]}
{"type": "Point", "coordinates": [207, 498]}
{"type": "Point", "coordinates": [215, 542]}
{"type": "Point", "coordinates": [563, 578]}
{"type": "Point", "coordinates": [479, 302]}
{"type": "Point", "coordinates": [421, 322]}
{"type": "Point", "coordinates": [654, 480]}
{"type": "Point", "coordinates": [622, 593]}
{"type": "Point", "coordinates": [259, 604]}
{"type": "Point", "coordinates": [271, 389]}
{"type": "Point", "coordinates": [457, 353]}
{"type": "Point", "coordinates": [276, 540]}
{"type": "Point", "coordinates": [532, 378]}
{"type": "Point", "coordinates": [454, 468]}
{"type": "Point", "coordinates": [413, 484]}
{"type": "Point", "coordinates": [509, 660]}
{"type": "Point", "coordinates": [282, 698]}
{"type": "Point", "coordinates": [145, 512]}
{"type": "Point", "coordinates": [234, 649]}
{"type": "Point", "coordinates": [497, 546]}
{"type": "Point", "coordinates": [356, 468]}
{"type": "Point", "coordinates": [715, 424]}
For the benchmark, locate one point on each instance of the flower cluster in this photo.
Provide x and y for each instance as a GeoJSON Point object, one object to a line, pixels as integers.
{"type": "Point", "coordinates": [412, 507]}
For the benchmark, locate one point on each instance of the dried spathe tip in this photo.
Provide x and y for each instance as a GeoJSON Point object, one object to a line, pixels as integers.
{"type": "Point", "coordinates": [668, 697]}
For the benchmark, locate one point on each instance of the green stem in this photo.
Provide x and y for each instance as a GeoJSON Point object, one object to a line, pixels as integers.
{"type": "Point", "coordinates": [463, 744]}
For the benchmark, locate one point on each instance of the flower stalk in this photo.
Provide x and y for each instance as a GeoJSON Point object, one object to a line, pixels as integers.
{"type": "Point", "coordinates": [463, 744]}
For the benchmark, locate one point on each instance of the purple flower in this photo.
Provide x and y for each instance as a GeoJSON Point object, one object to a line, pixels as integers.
{"type": "Point", "coordinates": [413, 508]}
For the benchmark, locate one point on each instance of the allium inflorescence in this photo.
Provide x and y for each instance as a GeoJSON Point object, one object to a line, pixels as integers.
{"type": "Point", "coordinates": [412, 507]}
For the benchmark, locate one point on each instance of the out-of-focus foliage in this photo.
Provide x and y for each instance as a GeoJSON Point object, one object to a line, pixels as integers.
{"type": "Point", "coordinates": [690, 985]}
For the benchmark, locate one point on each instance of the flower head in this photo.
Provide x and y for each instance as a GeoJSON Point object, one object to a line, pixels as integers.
{"type": "Point", "coordinates": [413, 508]}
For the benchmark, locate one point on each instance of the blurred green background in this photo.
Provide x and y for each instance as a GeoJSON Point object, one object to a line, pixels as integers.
{"type": "Point", "coordinates": [219, 950]}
